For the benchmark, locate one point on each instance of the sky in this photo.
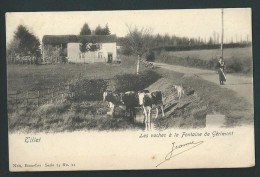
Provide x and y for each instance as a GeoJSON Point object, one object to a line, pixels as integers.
{"type": "Point", "coordinates": [184, 23]}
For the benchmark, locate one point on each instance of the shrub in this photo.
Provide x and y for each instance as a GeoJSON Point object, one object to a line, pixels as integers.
{"type": "Point", "coordinates": [150, 56]}
{"type": "Point", "coordinates": [86, 89]}
{"type": "Point", "coordinates": [238, 65]}
{"type": "Point", "coordinates": [133, 82]}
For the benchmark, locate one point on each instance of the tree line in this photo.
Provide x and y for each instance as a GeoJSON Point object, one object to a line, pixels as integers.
{"type": "Point", "coordinates": [140, 41]}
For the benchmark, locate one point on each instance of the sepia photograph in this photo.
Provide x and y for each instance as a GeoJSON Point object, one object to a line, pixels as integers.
{"type": "Point", "coordinates": [130, 89]}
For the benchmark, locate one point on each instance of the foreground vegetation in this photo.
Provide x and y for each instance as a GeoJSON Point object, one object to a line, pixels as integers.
{"type": "Point", "coordinates": [86, 110]}
{"type": "Point", "coordinates": [82, 112]}
{"type": "Point", "coordinates": [221, 100]}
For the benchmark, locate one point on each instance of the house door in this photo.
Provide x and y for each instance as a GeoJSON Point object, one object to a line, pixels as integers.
{"type": "Point", "coordinates": [109, 57]}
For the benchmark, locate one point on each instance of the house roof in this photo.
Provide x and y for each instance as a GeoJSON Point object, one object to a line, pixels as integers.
{"type": "Point", "coordinates": [58, 39]}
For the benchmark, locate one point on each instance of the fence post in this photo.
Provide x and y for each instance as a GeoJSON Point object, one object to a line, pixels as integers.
{"type": "Point", "coordinates": [52, 96]}
{"type": "Point", "coordinates": [27, 96]}
{"type": "Point", "coordinates": [15, 98]}
{"type": "Point", "coordinates": [48, 91]}
{"type": "Point", "coordinates": [38, 101]}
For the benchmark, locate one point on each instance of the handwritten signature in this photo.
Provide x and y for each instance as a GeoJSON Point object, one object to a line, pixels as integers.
{"type": "Point", "coordinates": [171, 154]}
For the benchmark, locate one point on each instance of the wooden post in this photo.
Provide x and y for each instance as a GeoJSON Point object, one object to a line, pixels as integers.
{"type": "Point", "coordinates": [38, 98]}
{"type": "Point", "coordinates": [138, 63]}
{"type": "Point", "coordinates": [43, 56]}
{"type": "Point", "coordinates": [48, 90]}
{"type": "Point", "coordinates": [15, 98]}
{"type": "Point", "coordinates": [27, 97]}
{"type": "Point", "coordinates": [52, 97]}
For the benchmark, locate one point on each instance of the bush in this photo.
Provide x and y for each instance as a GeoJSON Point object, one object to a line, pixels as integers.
{"type": "Point", "coordinates": [234, 65]}
{"type": "Point", "coordinates": [133, 82]}
{"type": "Point", "coordinates": [150, 56]}
{"type": "Point", "coordinates": [86, 89]}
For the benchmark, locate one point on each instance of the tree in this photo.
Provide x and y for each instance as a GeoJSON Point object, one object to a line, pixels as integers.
{"type": "Point", "coordinates": [102, 31]}
{"type": "Point", "coordinates": [138, 41]}
{"type": "Point", "coordinates": [106, 30]}
{"type": "Point", "coordinates": [98, 30]}
{"type": "Point", "coordinates": [85, 30]}
{"type": "Point", "coordinates": [24, 43]}
{"type": "Point", "coordinates": [85, 46]}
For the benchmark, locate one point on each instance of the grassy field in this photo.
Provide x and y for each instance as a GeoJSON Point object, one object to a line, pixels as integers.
{"type": "Point", "coordinates": [243, 53]}
{"type": "Point", "coordinates": [29, 77]}
{"type": "Point", "coordinates": [82, 114]}
{"type": "Point", "coordinates": [218, 100]}
{"type": "Point", "coordinates": [237, 60]}
{"type": "Point", "coordinates": [69, 114]}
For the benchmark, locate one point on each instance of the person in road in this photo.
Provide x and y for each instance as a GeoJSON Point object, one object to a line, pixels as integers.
{"type": "Point", "coordinates": [221, 71]}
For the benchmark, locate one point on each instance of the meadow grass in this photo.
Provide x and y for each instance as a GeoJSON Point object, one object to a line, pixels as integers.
{"type": "Point", "coordinates": [71, 115]}
{"type": "Point", "coordinates": [27, 77]}
{"type": "Point", "coordinates": [214, 53]}
{"type": "Point", "coordinates": [79, 113]}
{"type": "Point", "coordinates": [238, 60]}
{"type": "Point", "coordinates": [218, 100]}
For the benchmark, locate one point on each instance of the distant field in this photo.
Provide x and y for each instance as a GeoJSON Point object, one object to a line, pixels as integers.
{"type": "Point", "coordinates": [237, 60]}
{"type": "Point", "coordinates": [213, 53]}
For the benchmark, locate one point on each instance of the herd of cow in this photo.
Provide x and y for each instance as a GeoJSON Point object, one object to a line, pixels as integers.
{"type": "Point", "coordinates": [131, 99]}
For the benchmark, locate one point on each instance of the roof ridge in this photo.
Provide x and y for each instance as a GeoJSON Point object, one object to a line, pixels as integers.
{"type": "Point", "coordinates": [78, 38]}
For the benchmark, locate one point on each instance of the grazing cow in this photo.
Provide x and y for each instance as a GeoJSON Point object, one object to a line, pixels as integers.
{"type": "Point", "coordinates": [113, 100]}
{"type": "Point", "coordinates": [131, 101]}
{"type": "Point", "coordinates": [148, 100]}
{"type": "Point", "coordinates": [180, 91]}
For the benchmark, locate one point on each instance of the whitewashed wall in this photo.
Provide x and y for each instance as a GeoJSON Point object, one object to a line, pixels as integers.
{"type": "Point", "coordinates": [75, 55]}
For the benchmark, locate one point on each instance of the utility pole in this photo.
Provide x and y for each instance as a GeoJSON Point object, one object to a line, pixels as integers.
{"type": "Point", "coordinates": [222, 34]}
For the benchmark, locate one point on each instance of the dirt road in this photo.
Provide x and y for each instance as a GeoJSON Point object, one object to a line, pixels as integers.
{"type": "Point", "coordinates": [242, 85]}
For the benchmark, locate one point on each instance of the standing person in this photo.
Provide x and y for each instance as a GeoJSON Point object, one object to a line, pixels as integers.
{"type": "Point", "coordinates": [221, 73]}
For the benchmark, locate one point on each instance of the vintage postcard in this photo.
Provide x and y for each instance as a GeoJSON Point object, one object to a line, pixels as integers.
{"type": "Point", "coordinates": [132, 89]}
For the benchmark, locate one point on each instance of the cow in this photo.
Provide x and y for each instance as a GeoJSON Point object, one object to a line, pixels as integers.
{"type": "Point", "coordinates": [113, 100]}
{"type": "Point", "coordinates": [130, 101]}
{"type": "Point", "coordinates": [143, 91]}
{"type": "Point", "coordinates": [150, 100]}
{"type": "Point", "coordinates": [180, 91]}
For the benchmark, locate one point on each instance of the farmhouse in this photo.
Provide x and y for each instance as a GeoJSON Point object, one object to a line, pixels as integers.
{"type": "Point", "coordinates": [57, 47]}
